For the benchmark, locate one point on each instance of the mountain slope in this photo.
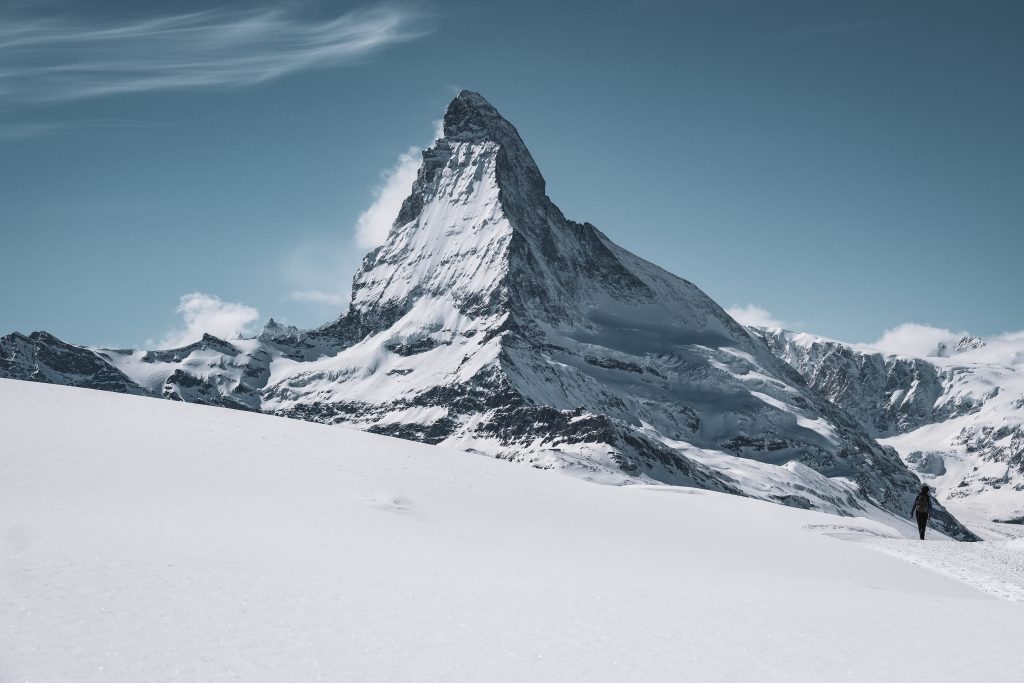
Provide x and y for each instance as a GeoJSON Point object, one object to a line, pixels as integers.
{"type": "Point", "coordinates": [41, 357]}
{"type": "Point", "coordinates": [489, 322]}
{"type": "Point", "coordinates": [956, 418]}
{"type": "Point", "coordinates": [151, 540]}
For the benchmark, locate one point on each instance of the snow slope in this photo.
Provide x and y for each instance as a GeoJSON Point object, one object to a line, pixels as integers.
{"type": "Point", "coordinates": [150, 540]}
{"type": "Point", "coordinates": [955, 417]}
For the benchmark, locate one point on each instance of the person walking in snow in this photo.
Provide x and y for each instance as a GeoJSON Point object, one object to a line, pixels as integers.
{"type": "Point", "coordinates": [922, 508]}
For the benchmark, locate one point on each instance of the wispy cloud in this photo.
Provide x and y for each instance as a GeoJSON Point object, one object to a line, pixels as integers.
{"type": "Point", "coordinates": [23, 130]}
{"type": "Point", "coordinates": [318, 271]}
{"type": "Point", "coordinates": [45, 59]}
{"type": "Point", "coordinates": [203, 313]}
{"type": "Point", "coordinates": [753, 315]}
{"type": "Point", "coordinates": [315, 296]}
{"type": "Point", "coordinates": [914, 339]}
{"type": "Point", "coordinates": [374, 224]}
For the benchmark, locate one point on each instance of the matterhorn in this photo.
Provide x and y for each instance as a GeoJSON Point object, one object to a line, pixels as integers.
{"type": "Point", "coordinates": [491, 323]}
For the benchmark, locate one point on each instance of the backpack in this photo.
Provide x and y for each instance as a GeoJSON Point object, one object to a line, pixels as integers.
{"type": "Point", "coordinates": [923, 505]}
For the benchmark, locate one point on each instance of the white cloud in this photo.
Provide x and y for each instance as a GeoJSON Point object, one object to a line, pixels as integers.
{"type": "Point", "coordinates": [319, 269]}
{"type": "Point", "coordinates": [318, 272]}
{"type": "Point", "coordinates": [58, 58]}
{"type": "Point", "coordinates": [22, 131]}
{"type": "Point", "coordinates": [25, 130]}
{"type": "Point", "coordinates": [913, 339]}
{"type": "Point", "coordinates": [753, 316]}
{"type": "Point", "coordinates": [1006, 348]}
{"type": "Point", "coordinates": [374, 224]}
{"type": "Point", "coordinates": [203, 313]}
{"type": "Point", "coordinates": [316, 296]}
{"type": "Point", "coordinates": [1011, 336]}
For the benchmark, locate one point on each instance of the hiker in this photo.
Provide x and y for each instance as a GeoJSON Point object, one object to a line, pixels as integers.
{"type": "Point", "coordinates": [922, 508]}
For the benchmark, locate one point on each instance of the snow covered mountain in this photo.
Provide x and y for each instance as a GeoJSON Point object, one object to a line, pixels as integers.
{"type": "Point", "coordinates": [41, 357]}
{"type": "Point", "coordinates": [211, 371]}
{"type": "Point", "coordinates": [491, 323]}
{"type": "Point", "coordinates": [956, 417]}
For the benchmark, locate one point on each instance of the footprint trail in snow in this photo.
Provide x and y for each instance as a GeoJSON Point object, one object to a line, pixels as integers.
{"type": "Point", "coordinates": [995, 566]}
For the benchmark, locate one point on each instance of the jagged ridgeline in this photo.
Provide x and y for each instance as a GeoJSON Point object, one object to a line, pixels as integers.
{"type": "Point", "coordinates": [490, 322]}
{"type": "Point", "coordinates": [956, 416]}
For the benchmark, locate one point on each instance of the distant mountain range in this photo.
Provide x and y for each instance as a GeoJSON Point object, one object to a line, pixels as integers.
{"type": "Point", "coordinates": [491, 323]}
{"type": "Point", "coordinates": [956, 417]}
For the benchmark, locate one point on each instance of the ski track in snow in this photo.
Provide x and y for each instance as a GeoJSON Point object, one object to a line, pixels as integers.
{"type": "Point", "coordinates": [995, 566]}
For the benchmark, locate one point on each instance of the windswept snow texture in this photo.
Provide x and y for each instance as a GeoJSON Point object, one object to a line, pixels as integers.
{"type": "Point", "coordinates": [956, 418]}
{"type": "Point", "coordinates": [151, 540]}
{"type": "Point", "coordinates": [491, 323]}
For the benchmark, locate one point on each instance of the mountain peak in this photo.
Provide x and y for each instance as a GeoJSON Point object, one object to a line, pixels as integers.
{"type": "Point", "coordinates": [470, 118]}
{"type": "Point", "coordinates": [472, 98]}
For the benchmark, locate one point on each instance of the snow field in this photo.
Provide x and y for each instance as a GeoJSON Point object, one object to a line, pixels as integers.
{"type": "Point", "coordinates": [149, 540]}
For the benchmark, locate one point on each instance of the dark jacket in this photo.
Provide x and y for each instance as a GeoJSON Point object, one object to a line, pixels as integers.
{"type": "Point", "coordinates": [922, 504]}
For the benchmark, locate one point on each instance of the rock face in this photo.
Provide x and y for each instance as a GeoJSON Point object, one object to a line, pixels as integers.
{"type": "Point", "coordinates": [888, 395]}
{"type": "Point", "coordinates": [957, 418]}
{"type": "Point", "coordinates": [41, 357]}
{"type": "Point", "coordinates": [490, 322]}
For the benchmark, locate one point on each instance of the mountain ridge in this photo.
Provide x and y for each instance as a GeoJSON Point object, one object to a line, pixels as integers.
{"type": "Point", "coordinates": [956, 417]}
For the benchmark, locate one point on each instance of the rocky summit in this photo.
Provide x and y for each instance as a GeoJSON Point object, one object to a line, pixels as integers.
{"type": "Point", "coordinates": [490, 322]}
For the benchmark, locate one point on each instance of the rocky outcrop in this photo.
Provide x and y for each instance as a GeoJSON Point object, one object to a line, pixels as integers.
{"type": "Point", "coordinates": [41, 357]}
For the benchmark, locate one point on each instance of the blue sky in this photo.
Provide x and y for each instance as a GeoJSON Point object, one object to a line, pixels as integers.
{"type": "Point", "coordinates": [846, 167]}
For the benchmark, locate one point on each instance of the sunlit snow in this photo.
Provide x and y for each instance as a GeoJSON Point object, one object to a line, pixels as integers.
{"type": "Point", "coordinates": [152, 540]}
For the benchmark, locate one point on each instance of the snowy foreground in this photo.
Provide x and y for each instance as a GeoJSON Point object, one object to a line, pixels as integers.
{"type": "Point", "coordinates": [152, 540]}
